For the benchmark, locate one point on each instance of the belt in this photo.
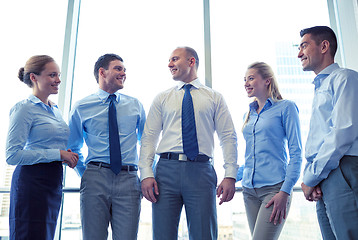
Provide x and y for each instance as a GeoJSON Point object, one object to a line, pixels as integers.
{"type": "Point", "coordinates": [183, 157]}
{"type": "Point", "coordinates": [106, 165]}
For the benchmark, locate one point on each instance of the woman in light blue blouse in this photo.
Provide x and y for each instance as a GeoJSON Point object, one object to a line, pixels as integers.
{"type": "Point", "coordinates": [271, 126]}
{"type": "Point", "coordinates": [36, 143]}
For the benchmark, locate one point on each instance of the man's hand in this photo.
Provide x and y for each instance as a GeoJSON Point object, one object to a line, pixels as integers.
{"type": "Point", "coordinates": [311, 193]}
{"type": "Point", "coordinates": [69, 157]}
{"type": "Point", "coordinates": [149, 188]}
{"type": "Point", "coordinates": [317, 193]}
{"type": "Point", "coordinates": [227, 189]}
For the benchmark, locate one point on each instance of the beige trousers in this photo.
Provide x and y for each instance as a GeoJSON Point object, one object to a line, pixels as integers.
{"type": "Point", "coordinates": [258, 215]}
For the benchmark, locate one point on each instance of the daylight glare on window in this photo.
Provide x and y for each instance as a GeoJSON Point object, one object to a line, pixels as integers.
{"type": "Point", "coordinates": [144, 33]}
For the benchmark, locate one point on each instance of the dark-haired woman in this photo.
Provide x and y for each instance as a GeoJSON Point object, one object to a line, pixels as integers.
{"type": "Point", "coordinates": [36, 143]}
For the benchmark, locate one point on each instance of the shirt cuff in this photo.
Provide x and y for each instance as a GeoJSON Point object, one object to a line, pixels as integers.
{"type": "Point", "coordinates": [53, 155]}
{"type": "Point", "coordinates": [286, 188]}
{"type": "Point", "coordinates": [310, 180]}
{"type": "Point", "coordinates": [146, 173]}
{"type": "Point", "coordinates": [231, 172]}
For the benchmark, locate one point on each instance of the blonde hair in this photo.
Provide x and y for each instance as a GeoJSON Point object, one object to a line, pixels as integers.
{"type": "Point", "coordinates": [265, 71]}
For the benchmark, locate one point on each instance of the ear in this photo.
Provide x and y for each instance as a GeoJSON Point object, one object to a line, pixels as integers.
{"type": "Point", "coordinates": [268, 81]}
{"type": "Point", "coordinates": [324, 46]}
{"type": "Point", "coordinates": [102, 72]}
{"type": "Point", "coordinates": [192, 62]}
{"type": "Point", "coordinates": [33, 77]}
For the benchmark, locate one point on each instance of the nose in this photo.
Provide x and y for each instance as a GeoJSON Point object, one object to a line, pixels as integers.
{"type": "Point", "coordinates": [58, 80]}
{"type": "Point", "coordinates": [300, 53]}
{"type": "Point", "coordinates": [246, 84]}
{"type": "Point", "coordinates": [170, 64]}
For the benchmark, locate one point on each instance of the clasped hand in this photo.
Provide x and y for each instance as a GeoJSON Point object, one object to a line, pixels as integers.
{"type": "Point", "coordinates": [69, 157]}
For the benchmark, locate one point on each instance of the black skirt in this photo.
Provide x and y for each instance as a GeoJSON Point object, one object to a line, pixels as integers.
{"type": "Point", "coordinates": [35, 200]}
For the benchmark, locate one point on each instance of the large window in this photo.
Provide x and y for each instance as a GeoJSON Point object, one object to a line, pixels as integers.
{"type": "Point", "coordinates": [144, 33]}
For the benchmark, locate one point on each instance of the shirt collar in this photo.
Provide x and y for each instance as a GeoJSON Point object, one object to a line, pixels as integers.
{"type": "Point", "coordinates": [317, 81]}
{"type": "Point", "coordinates": [103, 95]}
{"type": "Point", "coordinates": [36, 100]}
{"type": "Point", "coordinates": [269, 102]}
{"type": "Point", "coordinates": [196, 83]}
{"type": "Point", "coordinates": [329, 69]}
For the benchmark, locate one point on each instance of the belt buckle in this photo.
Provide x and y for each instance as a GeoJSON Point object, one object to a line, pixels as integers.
{"type": "Point", "coordinates": [182, 157]}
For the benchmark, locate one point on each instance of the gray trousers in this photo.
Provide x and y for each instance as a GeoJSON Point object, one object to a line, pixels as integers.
{"type": "Point", "coordinates": [337, 211]}
{"type": "Point", "coordinates": [106, 197]}
{"type": "Point", "coordinates": [192, 184]}
{"type": "Point", "coordinates": [258, 215]}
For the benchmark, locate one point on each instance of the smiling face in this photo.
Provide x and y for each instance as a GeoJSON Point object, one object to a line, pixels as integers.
{"type": "Point", "coordinates": [255, 85]}
{"type": "Point", "coordinates": [310, 54]}
{"type": "Point", "coordinates": [47, 82]}
{"type": "Point", "coordinates": [113, 78]}
{"type": "Point", "coordinates": [181, 66]}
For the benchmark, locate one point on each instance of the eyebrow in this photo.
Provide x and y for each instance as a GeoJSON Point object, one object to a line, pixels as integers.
{"type": "Point", "coordinates": [302, 44]}
{"type": "Point", "coordinates": [120, 67]}
{"type": "Point", "coordinates": [251, 75]}
{"type": "Point", "coordinates": [170, 59]}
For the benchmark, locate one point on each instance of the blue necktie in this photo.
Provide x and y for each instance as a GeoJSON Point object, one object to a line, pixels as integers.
{"type": "Point", "coordinates": [114, 144]}
{"type": "Point", "coordinates": [190, 140]}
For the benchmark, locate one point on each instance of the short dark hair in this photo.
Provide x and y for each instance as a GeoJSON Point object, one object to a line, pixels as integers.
{"type": "Point", "coordinates": [321, 33]}
{"type": "Point", "coordinates": [104, 61]}
{"type": "Point", "coordinates": [192, 53]}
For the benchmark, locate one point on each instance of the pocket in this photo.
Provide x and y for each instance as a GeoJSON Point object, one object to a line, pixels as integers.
{"type": "Point", "coordinates": [335, 185]}
{"type": "Point", "coordinates": [127, 124]}
{"type": "Point", "coordinates": [345, 176]}
{"type": "Point", "coordinates": [204, 174]}
{"type": "Point", "coordinates": [135, 183]}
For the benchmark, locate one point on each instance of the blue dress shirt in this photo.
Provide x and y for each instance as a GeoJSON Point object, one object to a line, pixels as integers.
{"type": "Point", "coordinates": [36, 134]}
{"type": "Point", "coordinates": [267, 135]}
{"type": "Point", "coordinates": [88, 122]}
{"type": "Point", "coordinates": [334, 122]}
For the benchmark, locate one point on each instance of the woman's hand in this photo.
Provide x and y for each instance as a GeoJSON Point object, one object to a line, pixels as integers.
{"type": "Point", "coordinates": [279, 211]}
{"type": "Point", "coordinates": [69, 157]}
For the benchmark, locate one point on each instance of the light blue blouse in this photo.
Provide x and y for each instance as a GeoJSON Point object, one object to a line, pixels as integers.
{"type": "Point", "coordinates": [267, 136]}
{"type": "Point", "coordinates": [36, 134]}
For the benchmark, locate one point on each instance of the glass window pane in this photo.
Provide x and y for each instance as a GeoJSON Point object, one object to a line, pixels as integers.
{"type": "Point", "coordinates": [27, 28]}
{"type": "Point", "coordinates": [142, 35]}
{"type": "Point", "coordinates": [71, 220]}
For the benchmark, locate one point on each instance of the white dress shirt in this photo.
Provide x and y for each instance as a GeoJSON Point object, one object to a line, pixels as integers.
{"type": "Point", "coordinates": [211, 114]}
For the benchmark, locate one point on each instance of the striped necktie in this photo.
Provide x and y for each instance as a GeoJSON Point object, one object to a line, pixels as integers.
{"type": "Point", "coordinates": [190, 140]}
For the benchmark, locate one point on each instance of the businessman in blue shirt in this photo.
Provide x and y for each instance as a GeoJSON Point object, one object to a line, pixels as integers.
{"type": "Point", "coordinates": [331, 173]}
{"type": "Point", "coordinates": [108, 193]}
